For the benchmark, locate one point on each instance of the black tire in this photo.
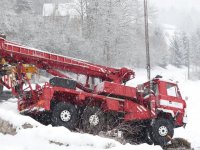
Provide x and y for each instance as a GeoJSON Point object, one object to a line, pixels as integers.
{"type": "Point", "coordinates": [44, 118]}
{"type": "Point", "coordinates": [93, 120]}
{"type": "Point", "coordinates": [112, 121]}
{"type": "Point", "coordinates": [161, 132]}
{"type": "Point", "coordinates": [147, 137]}
{"type": "Point", "coordinates": [65, 114]}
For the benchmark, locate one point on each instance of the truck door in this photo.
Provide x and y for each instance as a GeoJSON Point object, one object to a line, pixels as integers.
{"type": "Point", "coordinates": [172, 100]}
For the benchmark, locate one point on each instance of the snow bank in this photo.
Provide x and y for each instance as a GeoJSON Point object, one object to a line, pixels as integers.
{"type": "Point", "coordinates": [9, 112]}
{"type": "Point", "coordinates": [191, 132]}
{"type": "Point", "coordinates": [42, 137]}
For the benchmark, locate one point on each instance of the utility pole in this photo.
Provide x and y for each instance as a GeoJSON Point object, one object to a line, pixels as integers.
{"type": "Point", "coordinates": [152, 102]}
{"type": "Point", "coordinates": [148, 65]}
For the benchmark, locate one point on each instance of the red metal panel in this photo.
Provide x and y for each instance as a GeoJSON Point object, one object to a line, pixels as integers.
{"type": "Point", "coordinates": [116, 89]}
{"type": "Point", "coordinates": [135, 111]}
{"type": "Point", "coordinates": [112, 104]}
{"type": "Point", "coordinates": [31, 52]}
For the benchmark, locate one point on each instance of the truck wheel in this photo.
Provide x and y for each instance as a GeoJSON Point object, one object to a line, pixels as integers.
{"type": "Point", "coordinates": [44, 118]}
{"type": "Point", "coordinates": [162, 131]}
{"type": "Point", "coordinates": [65, 114]}
{"type": "Point", "coordinates": [93, 120]}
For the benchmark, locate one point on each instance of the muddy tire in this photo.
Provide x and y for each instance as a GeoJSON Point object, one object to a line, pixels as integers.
{"type": "Point", "coordinates": [93, 120]}
{"type": "Point", "coordinates": [161, 132]}
{"type": "Point", "coordinates": [44, 118]}
{"type": "Point", "coordinates": [65, 114]}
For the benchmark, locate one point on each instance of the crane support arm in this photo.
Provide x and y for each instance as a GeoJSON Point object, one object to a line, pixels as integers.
{"type": "Point", "coordinates": [14, 53]}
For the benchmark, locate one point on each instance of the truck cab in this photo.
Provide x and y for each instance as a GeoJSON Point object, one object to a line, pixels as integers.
{"type": "Point", "coordinates": [168, 99]}
{"type": "Point", "coordinates": [167, 107]}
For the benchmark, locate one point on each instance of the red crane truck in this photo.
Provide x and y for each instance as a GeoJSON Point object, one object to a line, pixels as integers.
{"type": "Point", "coordinates": [156, 106]}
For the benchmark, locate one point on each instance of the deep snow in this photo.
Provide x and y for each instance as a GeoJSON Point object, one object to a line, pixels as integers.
{"type": "Point", "coordinates": [39, 138]}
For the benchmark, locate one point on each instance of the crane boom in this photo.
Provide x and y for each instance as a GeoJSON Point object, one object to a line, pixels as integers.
{"type": "Point", "coordinates": [15, 53]}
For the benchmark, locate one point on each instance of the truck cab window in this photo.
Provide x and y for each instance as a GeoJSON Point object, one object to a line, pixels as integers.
{"type": "Point", "coordinates": [154, 89]}
{"type": "Point", "coordinates": [172, 90]}
{"type": "Point", "coordinates": [146, 91]}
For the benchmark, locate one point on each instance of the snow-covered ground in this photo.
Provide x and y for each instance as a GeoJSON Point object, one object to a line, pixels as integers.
{"type": "Point", "coordinates": [40, 136]}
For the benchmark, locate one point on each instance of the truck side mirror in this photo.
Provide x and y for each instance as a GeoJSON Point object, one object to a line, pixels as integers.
{"type": "Point", "coordinates": [186, 98]}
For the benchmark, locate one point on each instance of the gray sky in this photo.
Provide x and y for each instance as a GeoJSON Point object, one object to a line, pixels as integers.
{"type": "Point", "coordinates": [178, 4]}
{"type": "Point", "coordinates": [183, 14]}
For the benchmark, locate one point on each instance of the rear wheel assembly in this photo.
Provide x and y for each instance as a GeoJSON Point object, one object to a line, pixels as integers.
{"type": "Point", "coordinates": [162, 131]}
{"type": "Point", "coordinates": [65, 114]}
{"type": "Point", "coordinates": [93, 120]}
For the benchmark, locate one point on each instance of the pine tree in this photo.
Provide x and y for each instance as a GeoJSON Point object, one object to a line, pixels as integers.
{"type": "Point", "coordinates": [194, 54]}
{"type": "Point", "coordinates": [176, 47]}
{"type": "Point", "coordinates": [185, 48]}
{"type": "Point", "coordinates": [23, 6]}
{"type": "Point", "coordinates": [158, 47]}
